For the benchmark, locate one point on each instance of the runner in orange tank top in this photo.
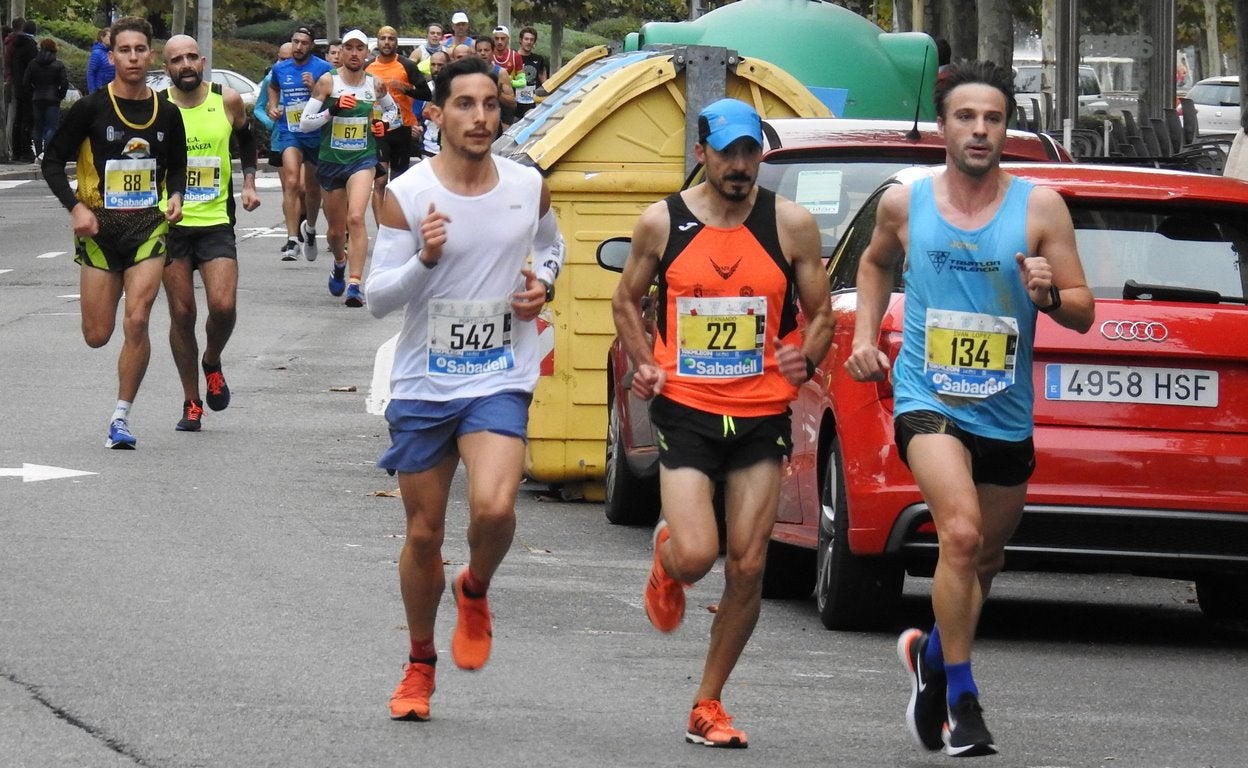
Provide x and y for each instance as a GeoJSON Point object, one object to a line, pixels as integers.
{"type": "Point", "coordinates": [733, 261]}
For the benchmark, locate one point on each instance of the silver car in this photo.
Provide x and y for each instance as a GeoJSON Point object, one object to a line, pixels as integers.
{"type": "Point", "coordinates": [1217, 104]}
{"type": "Point", "coordinates": [246, 87]}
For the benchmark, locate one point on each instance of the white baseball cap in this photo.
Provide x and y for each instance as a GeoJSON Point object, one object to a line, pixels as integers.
{"type": "Point", "coordinates": [355, 34]}
{"type": "Point", "coordinates": [459, 18]}
{"type": "Point", "coordinates": [501, 30]}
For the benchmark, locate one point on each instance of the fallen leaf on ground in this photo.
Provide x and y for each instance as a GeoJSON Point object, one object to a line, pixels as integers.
{"type": "Point", "coordinates": [395, 494]}
{"type": "Point", "coordinates": [348, 388]}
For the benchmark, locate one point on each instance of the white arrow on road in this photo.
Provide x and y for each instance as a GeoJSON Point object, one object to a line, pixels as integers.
{"type": "Point", "coordinates": [33, 473]}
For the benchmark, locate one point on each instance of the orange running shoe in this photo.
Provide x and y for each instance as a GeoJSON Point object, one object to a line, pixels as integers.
{"type": "Point", "coordinates": [410, 700]}
{"type": "Point", "coordinates": [711, 726]}
{"type": "Point", "coordinates": [470, 645]}
{"type": "Point", "coordinates": [665, 596]}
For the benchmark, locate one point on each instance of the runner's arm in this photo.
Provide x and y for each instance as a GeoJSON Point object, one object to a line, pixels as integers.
{"type": "Point", "coordinates": [549, 248]}
{"type": "Point", "coordinates": [419, 88]}
{"type": "Point", "coordinates": [63, 147]}
{"type": "Point", "coordinates": [396, 272]}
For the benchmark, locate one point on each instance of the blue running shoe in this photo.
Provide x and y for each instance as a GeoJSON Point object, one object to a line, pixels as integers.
{"type": "Point", "coordinates": [119, 437]}
{"type": "Point", "coordinates": [338, 280]}
{"type": "Point", "coordinates": [354, 297]}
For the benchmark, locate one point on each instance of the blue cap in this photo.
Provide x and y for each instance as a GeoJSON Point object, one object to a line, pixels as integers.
{"type": "Point", "coordinates": [727, 120]}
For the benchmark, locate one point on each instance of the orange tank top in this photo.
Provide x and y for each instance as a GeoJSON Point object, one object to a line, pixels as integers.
{"type": "Point", "coordinates": [395, 70]}
{"type": "Point", "coordinates": [723, 296]}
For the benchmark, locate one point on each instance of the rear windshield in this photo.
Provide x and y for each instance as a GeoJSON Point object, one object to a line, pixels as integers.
{"type": "Point", "coordinates": [1204, 249]}
{"type": "Point", "coordinates": [1215, 94]}
{"type": "Point", "coordinates": [832, 190]}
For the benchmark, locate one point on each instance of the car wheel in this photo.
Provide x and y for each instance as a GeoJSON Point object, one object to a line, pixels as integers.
{"type": "Point", "coordinates": [851, 592]}
{"type": "Point", "coordinates": [1223, 598]}
{"type": "Point", "coordinates": [630, 500]}
{"type": "Point", "coordinates": [788, 572]}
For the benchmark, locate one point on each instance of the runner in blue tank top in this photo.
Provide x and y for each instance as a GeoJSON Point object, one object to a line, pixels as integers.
{"type": "Point", "coordinates": [290, 85]}
{"type": "Point", "coordinates": [984, 252]}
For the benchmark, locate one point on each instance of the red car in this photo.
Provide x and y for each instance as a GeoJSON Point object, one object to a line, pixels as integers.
{"type": "Point", "coordinates": [829, 165]}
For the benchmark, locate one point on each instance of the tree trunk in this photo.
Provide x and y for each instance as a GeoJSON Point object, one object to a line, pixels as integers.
{"type": "Point", "coordinates": [957, 18]}
{"type": "Point", "coordinates": [902, 21]}
{"type": "Point", "coordinates": [1048, 31]}
{"type": "Point", "coordinates": [179, 18]}
{"type": "Point", "coordinates": [331, 20]}
{"type": "Point", "coordinates": [996, 32]}
{"type": "Point", "coordinates": [556, 43]}
{"type": "Point", "coordinates": [1213, 52]}
{"type": "Point", "coordinates": [392, 12]}
{"type": "Point", "coordinates": [1241, 34]}
{"type": "Point", "coordinates": [962, 21]}
{"type": "Point", "coordinates": [503, 8]}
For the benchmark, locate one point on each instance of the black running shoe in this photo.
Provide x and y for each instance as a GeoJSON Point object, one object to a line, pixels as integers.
{"type": "Point", "coordinates": [290, 251]}
{"type": "Point", "coordinates": [965, 734]}
{"type": "Point", "coordinates": [218, 392]}
{"type": "Point", "coordinates": [925, 715]}
{"type": "Point", "coordinates": [192, 412]}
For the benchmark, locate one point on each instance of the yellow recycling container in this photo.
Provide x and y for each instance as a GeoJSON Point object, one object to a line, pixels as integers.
{"type": "Point", "coordinates": [610, 136]}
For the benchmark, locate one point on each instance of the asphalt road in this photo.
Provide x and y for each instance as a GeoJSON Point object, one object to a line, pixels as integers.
{"type": "Point", "coordinates": [229, 598]}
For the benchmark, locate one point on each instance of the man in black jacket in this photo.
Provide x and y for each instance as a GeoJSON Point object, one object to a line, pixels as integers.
{"type": "Point", "coordinates": [47, 83]}
{"type": "Point", "coordinates": [24, 51]}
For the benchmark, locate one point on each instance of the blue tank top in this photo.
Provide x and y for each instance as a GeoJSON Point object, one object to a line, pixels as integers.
{"type": "Point", "coordinates": [969, 322]}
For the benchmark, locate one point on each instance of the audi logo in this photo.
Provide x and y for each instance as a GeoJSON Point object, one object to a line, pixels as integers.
{"type": "Point", "coordinates": [1134, 330]}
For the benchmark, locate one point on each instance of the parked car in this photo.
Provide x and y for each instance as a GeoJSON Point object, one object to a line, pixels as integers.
{"type": "Point", "coordinates": [1033, 85]}
{"type": "Point", "coordinates": [1217, 104]}
{"type": "Point", "coordinates": [831, 166]}
{"type": "Point", "coordinates": [246, 87]}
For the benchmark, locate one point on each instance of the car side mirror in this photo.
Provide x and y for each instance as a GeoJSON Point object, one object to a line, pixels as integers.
{"type": "Point", "coordinates": [613, 253]}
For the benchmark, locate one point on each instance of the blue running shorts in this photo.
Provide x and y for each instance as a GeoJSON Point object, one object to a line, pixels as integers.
{"type": "Point", "coordinates": [423, 432]}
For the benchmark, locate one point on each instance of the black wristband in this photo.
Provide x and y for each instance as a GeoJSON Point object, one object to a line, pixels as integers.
{"type": "Point", "coordinates": [1055, 301]}
{"type": "Point", "coordinates": [810, 369]}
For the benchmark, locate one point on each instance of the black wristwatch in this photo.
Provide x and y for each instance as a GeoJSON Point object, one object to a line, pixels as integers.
{"type": "Point", "coordinates": [1055, 301]}
{"type": "Point", "coordinates": [550, 290]}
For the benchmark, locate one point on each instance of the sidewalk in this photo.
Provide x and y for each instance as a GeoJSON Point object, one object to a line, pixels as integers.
{"type": "Point", "coordinates": [20, 171]}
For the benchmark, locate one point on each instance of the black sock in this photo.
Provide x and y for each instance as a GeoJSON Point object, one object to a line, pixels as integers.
{"type": "Point", "coordinates": [432, 661]}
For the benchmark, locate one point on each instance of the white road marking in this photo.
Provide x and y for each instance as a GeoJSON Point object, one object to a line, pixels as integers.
{"type": "Point", "coordinates": [33, 473]}
{"type": "Point", "coordinates": [2, 271]}
{"type": "Point", "coordinates": [51, 254]}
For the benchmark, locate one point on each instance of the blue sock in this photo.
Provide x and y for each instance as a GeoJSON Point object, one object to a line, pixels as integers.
{"type": "Point", "coordinates": [934, 656]}
{"type": "Point", "coordinates": [960, 681]}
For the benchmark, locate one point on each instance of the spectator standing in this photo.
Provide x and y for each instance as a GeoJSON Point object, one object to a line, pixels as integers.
{"type": "Point", "coordinates": [25, 49]}
{"type": "Point", "coordinates": [333, 52]}
{"type": "Point", "coordinates": [100, 69]}
{"type": "Point", "coordinates": [536, 72]}
{"type": "Point", "coordinates": [47, 82]}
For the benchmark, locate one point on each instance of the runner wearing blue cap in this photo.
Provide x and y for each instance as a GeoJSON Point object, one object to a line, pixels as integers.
{"type": "Point", "coordinates": [733, 261]}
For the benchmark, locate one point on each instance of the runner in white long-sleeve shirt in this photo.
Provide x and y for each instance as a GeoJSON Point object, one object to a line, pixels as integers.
{"type": "Point", "coordinates": [467, 360]}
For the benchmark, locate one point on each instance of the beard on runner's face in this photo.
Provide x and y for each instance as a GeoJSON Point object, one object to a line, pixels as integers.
{"type": "Point", "coordinates": [188, 80]}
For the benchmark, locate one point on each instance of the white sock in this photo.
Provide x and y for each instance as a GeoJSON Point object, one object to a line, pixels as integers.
{"type": "Point", "coordinates": [123, 411]}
